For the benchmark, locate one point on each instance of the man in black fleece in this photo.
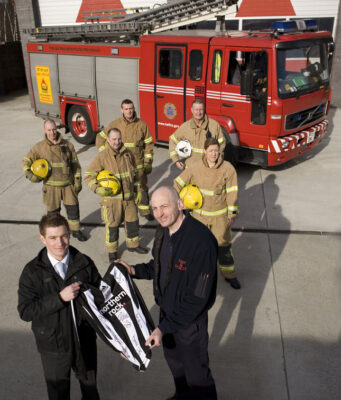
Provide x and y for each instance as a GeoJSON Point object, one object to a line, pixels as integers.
{"type": "Point", "coordinates": [184, 273]}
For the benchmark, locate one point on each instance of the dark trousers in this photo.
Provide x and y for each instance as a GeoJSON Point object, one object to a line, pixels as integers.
{"type": "Point", "coordinates": [186, 353]}
{"type": "Point", "coordinates": [57, 369]}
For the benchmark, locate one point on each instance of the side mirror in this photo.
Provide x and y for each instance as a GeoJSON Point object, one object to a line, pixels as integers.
{"type": "Point", "coordinates": [246, 83]}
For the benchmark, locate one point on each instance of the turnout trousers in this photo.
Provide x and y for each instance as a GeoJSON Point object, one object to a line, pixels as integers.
{"type": "Point", "coordinates": [57, 370]}
{"type": "Point", "coordinates": [218, 226]}
{"type": "Point", "coordinates": [114, 212]}
{"type": "Point", "coordinates": [143, 207]}
{"type": "Point", "coordinates": [186, 353]}
{"type": "Point", "coordinates": [53, 196]}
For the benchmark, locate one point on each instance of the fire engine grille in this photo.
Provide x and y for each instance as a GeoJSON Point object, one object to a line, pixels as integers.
{"type": "Point", "coordinates": [303, 117]}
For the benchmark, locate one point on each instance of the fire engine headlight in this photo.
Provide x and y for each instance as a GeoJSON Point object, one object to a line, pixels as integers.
{"type": "Point", "coordinates": [285, 145]}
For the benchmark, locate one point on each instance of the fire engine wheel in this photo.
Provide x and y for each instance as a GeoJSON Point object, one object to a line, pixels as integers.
{"type": "Point", "coordinates": [80, 125]}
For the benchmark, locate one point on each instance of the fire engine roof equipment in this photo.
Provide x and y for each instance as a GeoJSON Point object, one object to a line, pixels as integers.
{"type": "Point", "coordinates": [299, 25]}
{"type": "Point", "coordinates": [132, 26]}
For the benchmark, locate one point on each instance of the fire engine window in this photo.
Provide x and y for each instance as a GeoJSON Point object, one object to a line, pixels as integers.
{"type": "Point", "coordinates": [234, 71]}
{"type": "Point", "coordinates": [195, 65]}
{"type": "Point", "coordinates": [170, 63]}
{"type": "Point", "coordinates": [216, 67]}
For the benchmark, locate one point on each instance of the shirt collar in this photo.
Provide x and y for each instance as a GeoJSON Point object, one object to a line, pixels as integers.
{"type": "Point", "coordinates": [54, 261]}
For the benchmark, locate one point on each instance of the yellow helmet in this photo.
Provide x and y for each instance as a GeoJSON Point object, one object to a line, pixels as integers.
{"type": "Point", "coordinates": [106, 179]}
{"type": "Point", "coordinates": [41, 168]}
{"type": "Point", "coordinates": [191, 196]}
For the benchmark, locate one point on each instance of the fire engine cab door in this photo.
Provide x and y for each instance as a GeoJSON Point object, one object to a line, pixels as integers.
{"type": "Point", "coordinates": [169, 89]}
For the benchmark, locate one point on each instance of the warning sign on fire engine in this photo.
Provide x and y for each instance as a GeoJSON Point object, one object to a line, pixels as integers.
{"type": "Point", "coordinates": [44, 84]}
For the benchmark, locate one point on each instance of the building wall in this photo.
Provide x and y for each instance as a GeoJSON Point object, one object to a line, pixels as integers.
{"type": "Point", "coordinates": [336, 72]}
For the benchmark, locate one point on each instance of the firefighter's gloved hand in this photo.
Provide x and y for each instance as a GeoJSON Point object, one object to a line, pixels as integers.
{"type": "Point", "coordinates": [138, 198]}
{"type": "Point", "coordinates": [147, 168]}
{"type": "Point", "coordinates": [33, 178]}
{"type": "Point", "coordinates": [103, 191]}
{"type": "Point", "coordinates": [78, 186]}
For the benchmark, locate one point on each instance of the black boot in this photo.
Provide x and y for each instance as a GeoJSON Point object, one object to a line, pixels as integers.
{"type": "Point", "coordinates": [140, 250]}
{"type": "Point", "coordinates": [149, 217]}
{"type": "Point", "coordinates": [79, 235]}
{"type": "Point", "coordinates": [233, 282]}
{"type": "Point", "coordinates": [112, 257]}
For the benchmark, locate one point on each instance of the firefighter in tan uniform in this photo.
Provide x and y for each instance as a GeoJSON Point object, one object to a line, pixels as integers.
{"type": "Point", "coordinates": [137, 138]}
{"type": "Point", "coordinates": [217, 182]}
{"type": "Point", "coordinates": [64, 181]}
{"type": "Point", "coordinates": [196, 131]}
{"type": "Point", "coordinates": [115, 209]}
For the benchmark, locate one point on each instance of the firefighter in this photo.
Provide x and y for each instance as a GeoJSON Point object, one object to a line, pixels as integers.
{"type": "Point", "coordinates": [119, 207]}
{"type": "Point", "coordinates": [196, 131]}
{"type": "Point", "coordinates": [217, 182]}
{"type": "Point", "coordinates": [137, 137]}
{"type": "Point", "coordinates": [63, 182]}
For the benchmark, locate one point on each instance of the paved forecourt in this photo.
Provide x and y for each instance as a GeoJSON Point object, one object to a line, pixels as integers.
{"type": "Point", "coordinates": [276, 338]}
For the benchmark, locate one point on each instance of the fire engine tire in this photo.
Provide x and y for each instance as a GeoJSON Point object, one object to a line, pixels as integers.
{"type": "Point", "coordinates": [80, 126]}
{"type": "Point", "coordinates": [230, 152]}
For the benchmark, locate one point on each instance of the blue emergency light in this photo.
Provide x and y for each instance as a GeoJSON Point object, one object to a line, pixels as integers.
{"type": "Point", "coordinates": [299, 25]}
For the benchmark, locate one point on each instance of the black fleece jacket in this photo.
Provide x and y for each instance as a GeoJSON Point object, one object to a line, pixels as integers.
{"type": "Point", "coordinates": [192, 274]}
{"type": "Point", "coordinates": [39, 300]}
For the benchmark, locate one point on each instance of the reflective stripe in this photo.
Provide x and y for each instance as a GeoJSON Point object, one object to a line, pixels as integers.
{"type": "Point", "coordinates": [175, 140]}
{"type": "Point", "coordinates": [207, 192]}
{"type": "Point", "coordinates": [111, 244]}
{"type": "Point", "coordinates": [88, 173]}
{"type": "Point", "coordinates": [173, 153]}
{"type": "Point", "coordinates": [75, 160]}
{"type": "Point", "coordinates": [148, 156]}
{"type": "Point", "coordinates": [28, 160]}
{"type": "Point", "coordinates": [116, 196]}
{"type": "Point", "coordinates": [101, 148]}
{"type": "Point", "coordinates": [120, 196]}
{"type": "Point", "coordinates": [212, 213]}
{"type": "Point", "coordinates": [92, 182]}
{"type": "Point", "coordinates": [141, 207]}
{"type": "Point", "coordinates": [232, 208]}
{"type": "Point", "coordinates": [73, 223]}
{"type": "Point", "coordinates": [57, 165]}
{"type": "Point", "coordinates": [231, 189]}
{"type": "Point", "coordinates": [134, 239]}
{"type": "Point", "coordinates": [103, 134]}
{"type": "Point", "coordinates": [148, 140]}
{"type": "Point", "coordinates": [77, 175]}
{"type": "Point", "coordinates": [58, 183]}
{"type": "Point", "coordinates": [129, 144]}
{"type": "Point", "coordinates": [140, 166]}
{"type": "Point", "coordinates": [221, 140]}
{"type": "Point", "coordinates": [227, 267]}
{"type": "Point", "coordinates": [180, 181]}
{"type": "Point", "coordinates": [123, 175]}
{"type": "Point", "coordinates": [195, 150]}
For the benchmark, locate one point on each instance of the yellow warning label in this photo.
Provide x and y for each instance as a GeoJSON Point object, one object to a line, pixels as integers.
{"type": "Point", "coordinates": [44, 84]}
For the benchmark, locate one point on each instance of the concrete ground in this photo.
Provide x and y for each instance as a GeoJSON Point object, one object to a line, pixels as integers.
{"type": "Point", "coordinates": [278, 338]}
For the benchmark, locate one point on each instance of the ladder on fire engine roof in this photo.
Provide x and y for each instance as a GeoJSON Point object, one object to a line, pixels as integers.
{"type": "Point", "coordinates": [132, 26]}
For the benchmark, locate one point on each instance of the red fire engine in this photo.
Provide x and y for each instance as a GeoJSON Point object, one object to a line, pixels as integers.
{"type": "Point", "coordinates": [268, 90]}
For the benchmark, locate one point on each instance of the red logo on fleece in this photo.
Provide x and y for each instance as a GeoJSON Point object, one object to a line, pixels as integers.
{"type": "Point", "coordinates": [181, 265]}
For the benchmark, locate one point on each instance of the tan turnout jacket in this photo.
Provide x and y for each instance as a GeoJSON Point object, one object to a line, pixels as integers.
{"type": "Point", "coordinates": [121, 164]}
{"type": "Point", "coordinates": [196, 136]}
{"type": "Point", "coordinates": [135, 136]}
{"type": "Point", "coordinates": [218, 186]}
{"type": "Point", "coordinates": [62, 158]}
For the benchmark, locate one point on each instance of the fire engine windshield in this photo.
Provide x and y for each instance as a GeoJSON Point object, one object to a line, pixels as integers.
{"type": "Point", "coordinates": [302, 67]}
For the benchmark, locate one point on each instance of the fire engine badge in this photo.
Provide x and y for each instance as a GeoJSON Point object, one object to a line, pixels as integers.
{"type": "Point", "coordinates": [169, 110]}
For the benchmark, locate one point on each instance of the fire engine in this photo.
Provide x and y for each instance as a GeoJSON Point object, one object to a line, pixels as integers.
{"type": "Point", "coordinates": [269, 90]}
